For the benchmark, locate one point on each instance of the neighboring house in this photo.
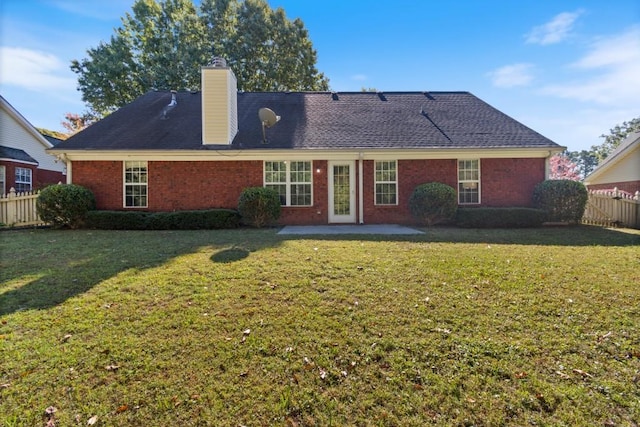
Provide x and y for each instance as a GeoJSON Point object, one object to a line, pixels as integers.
{"type": "Point", "coordinates": [332, 157]}
{"type": "Point", "coordinates": [24, 163]}
{"type": "Point", "coordinates": [620, 169]}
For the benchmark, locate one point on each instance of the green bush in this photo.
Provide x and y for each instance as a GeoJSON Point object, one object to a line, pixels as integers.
{"type": "Point", "coordinates": [117, 220]}
{"type": "Point", "coordinates": [65, 205]}
{"type": "Point", "coordinates": [259, 206]}
{"type": "Point", "coordinates": [182, 220]}
{"type": "Point", "coordinates": [194, 220]}
{"type": "Point", "coordinates": [433, 202]}
{"type": "Point", "coordinates": [563, 200]}
{"type": "Point", "coordinates": [500, 217]}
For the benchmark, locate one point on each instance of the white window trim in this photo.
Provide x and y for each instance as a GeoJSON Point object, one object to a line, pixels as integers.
{"type": "Point", "coordinates": [3, 180]}
{"type": "Point", "coordinates": [288, 183]}
{"type": "Point", "coordinates": [30, 182]}
{"type": "Point", "coordinates": [478, 181]}
{"type": "Point", "coordinates": [125, 184]}
{"type": "Point", "coordinates": [376, 182]}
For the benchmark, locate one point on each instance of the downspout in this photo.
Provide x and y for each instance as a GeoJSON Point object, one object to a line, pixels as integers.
{"type": "Point", "coordinates": [360, 189]}
{"type": "Point", "coordinates": [547, 168]}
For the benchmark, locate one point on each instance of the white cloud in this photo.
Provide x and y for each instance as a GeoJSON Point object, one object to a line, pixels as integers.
{"type": "Point", "coordinates": [512, 75]}
{"type": "Point", "coordinates": [34, 70]}
{"type": "Point", "coordinates": [609, 73]}
{"type": "Point", "coordinates": [555, 30]}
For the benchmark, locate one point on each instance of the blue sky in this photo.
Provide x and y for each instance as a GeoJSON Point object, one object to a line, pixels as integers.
{"type": "Point", "coordinates": [568, 69]}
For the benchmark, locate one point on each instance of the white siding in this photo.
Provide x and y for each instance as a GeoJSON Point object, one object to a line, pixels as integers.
{"type": "Point", "coordinates": [15, 135]}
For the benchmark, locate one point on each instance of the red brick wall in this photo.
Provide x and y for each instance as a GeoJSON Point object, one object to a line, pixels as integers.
{"type": "Point", "coordinates": [510, 182]}
{"type": "Point", "coordinates": [628, 186]}
{"type": "Point", "coordinates": [40, 178]}
{"type": "Point", "coordinates": [202, 185]}
{"type": "Point", "coordinates": [46, 177]}
{"type": "Point", "coordinates": [411, 173]}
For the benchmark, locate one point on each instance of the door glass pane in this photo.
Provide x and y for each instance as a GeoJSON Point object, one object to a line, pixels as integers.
{"type": "Point", "coordinates": [341, 190]}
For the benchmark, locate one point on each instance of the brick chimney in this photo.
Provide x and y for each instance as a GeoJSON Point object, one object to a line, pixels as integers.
{"type": "Point", "coordinates": [219, 103]}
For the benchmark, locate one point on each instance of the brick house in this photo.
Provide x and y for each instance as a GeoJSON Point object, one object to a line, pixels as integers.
{"type": "Point", "coordinates": [621, 169]}
{"type": "Point", "coordinates": [333, 157]}
{"type": "Point", "coordinates": [25, 164]}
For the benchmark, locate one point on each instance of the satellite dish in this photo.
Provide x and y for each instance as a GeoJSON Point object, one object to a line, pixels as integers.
{"type": "Point", "coordinates": [268, 119]}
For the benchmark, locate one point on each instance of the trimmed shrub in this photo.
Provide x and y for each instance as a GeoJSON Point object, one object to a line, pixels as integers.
{"type": "Point", "coordinates": [563, 200]}
{"type": "Point", "coordinates": [194, 220]}
{"type": "Point", "coordinates": [182, 220]}
{"type": "Point", "coordinates": [500, 217]}
{"type": "Point", "coordinates": [117, 220]}
{"type": "Point", "coordinates": [433, 203]}
{"type": "Point", "coordinates": [65, 205]}
{"type": "Point", "coordinates": [259, 206]}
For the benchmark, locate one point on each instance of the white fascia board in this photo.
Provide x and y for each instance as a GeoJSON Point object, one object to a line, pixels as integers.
{"type": "Point", "coordinates": [289, 154]}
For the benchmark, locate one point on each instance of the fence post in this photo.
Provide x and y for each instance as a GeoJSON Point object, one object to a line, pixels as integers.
{"type": "Point", "coordinates": [11, 207]}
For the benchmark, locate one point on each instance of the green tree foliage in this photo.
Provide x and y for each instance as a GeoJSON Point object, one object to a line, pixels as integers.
{"type": "Point", "coordinates": [587, 160]}
{"type": "Point", "coordinates": [563, 200]}
{"type": "Point", "coordinates": [433, 203]}
{"type": "Point", "coordinates": [65, 205]}
{"type": "Point", "coordinates": [259, 206]}
{"type": "Point", "coordinates": [615, 137]}
{"type": "Point", "coordinates": [163, 43]}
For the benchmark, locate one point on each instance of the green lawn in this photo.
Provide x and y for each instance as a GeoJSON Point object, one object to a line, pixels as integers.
{"type": "Point", "coordinates": [245, 327]}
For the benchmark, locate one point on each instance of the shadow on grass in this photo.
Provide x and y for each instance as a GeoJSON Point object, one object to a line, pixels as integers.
{"type": "Point", "coordinates": [582, 235]}
{"type": "Point", "coordinates": [40, 269]}
{"type": "Point", "coordinates": [230, 255]}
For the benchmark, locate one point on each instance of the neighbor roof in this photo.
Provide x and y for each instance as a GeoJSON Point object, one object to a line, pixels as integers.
{"type": "Point", "coordinates": [315, 120]}
{"type": "Point", "coordinates": [16, 154]}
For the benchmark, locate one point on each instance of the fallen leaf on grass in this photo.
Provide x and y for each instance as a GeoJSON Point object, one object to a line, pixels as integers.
{"type": "Point", "coordinates": [50, 411]}
{"type": "Point", "coordinates": [521, 375]}
{"type": "Point", "coordinates": [66, 337]}
{"type": "Point", "coordinates": [122, 408]}
{"type": "Point", "coordinates": [5, 385]}
{"type": "Point", "coordinates": [563, 375]}
{"type": "Point", "coordinates": [91, 421]}
{"type": "Point", "coordinates": [583, 373]}
{"type": "Point", "coordinates": [112, 367]}
{"type": "Point", "coordinates": [605, 336]}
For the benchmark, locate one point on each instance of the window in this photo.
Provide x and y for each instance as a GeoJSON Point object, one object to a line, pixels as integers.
{"type": "Point", "coordinates": [386, 183]}
{"type": "Point", "coordinates": [135, 184]}
{"type": "Point", "coordinates": [291, 180]}
{"type": "Point", "coordinates": [23, 180]}
{"type": "Point", "coordinates": [468, 181]}
{"type": "Point", "coordinates": [3, 181]}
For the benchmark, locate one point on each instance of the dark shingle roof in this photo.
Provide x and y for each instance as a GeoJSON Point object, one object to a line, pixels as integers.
{"type": "Point", "coordinates": [16, 154]}
{"type": "Point", "coordinates": [316, 120]}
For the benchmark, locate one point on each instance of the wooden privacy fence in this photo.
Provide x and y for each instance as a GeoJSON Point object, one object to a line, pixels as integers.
{"type": "Point", "coordinates": [613, 208]}
{"type": "Point", "coordinates": [19, 209]}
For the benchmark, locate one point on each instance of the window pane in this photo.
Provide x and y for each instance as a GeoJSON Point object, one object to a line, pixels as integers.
{"type": "Point", "coordinates": [281, 189]}
{"type": "Point", "coordinates": [301, 195]}
{"type": "Point", "coordinates": [386, 185]}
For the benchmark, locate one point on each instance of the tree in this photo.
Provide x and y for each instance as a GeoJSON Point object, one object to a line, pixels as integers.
{"type": "Point", "coordinates": [74, 123]}
{"type": "Point", "coordinates": [162, 44]}
{"type": "Point", "coordinates": [615, 137]}
{"type": "Point", "coordinates": [588, 160]}
{"type": "Point", "coordinates": [562, 167]}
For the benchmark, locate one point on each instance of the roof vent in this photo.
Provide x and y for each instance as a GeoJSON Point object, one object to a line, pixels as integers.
{"type": "Point", "coordinates": [219, 62]}
{"type": "Point", "coordinates": [170, 106]}
{"type": "Point", "coordinates": [334, 96]}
